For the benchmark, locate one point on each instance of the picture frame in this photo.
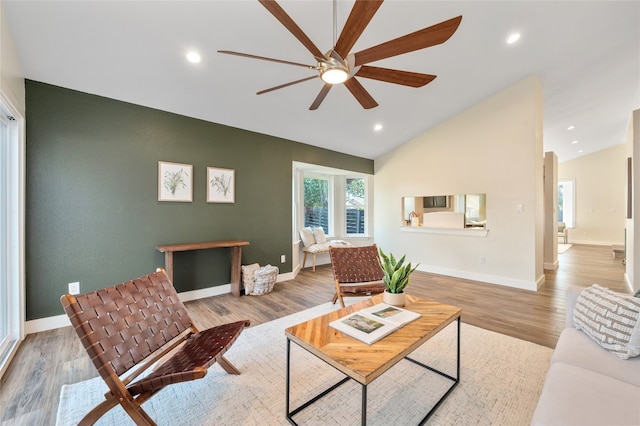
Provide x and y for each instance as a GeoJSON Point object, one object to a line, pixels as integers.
{"type": "Point", "coordinates": [175, 182]}
{"type": "Point", "coordinates": [220, 185]}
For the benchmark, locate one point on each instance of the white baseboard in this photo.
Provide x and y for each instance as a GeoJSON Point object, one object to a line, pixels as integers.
{"type": "Point", "coordinates": [187, 296]}
{"type": "Point", "coordinates": [44, 324]}
{"type": "Point", "coordinates": [551, 266]}
{"type": "Point", "coordinates": [59, 321]}
{"type": "Point", "coordinates": [595, 243]}
{"type": "Point", "coordinates": [492, 279]}
{"type": "Point", "coordinates": [541, 280]}
{"type": "Point", "coordinates": [286, 277]}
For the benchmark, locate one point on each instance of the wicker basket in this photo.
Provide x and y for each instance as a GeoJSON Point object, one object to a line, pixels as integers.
{"type": "Point", "coordinates": [259, 280]}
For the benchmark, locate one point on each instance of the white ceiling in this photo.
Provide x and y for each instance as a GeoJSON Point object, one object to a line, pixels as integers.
{"type": "Point", "coordinates": [586, 55]}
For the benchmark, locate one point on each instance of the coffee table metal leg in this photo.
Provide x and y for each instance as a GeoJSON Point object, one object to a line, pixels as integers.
{"type": "Point", "coordinates": [455, 380]}
{"type": "Point", "coordinates": [287, 379]}
{"type": "Point", "coordinates": [364, 405]}
{"type": "Point", "coordinates": [290, 414]}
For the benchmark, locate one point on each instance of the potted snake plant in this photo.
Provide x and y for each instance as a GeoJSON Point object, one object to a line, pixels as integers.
{"type": "Point", "coordinates": [396, 278]}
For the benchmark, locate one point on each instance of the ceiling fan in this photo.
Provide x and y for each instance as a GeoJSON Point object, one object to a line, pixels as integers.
{"type": "Point", "coordinates": [340, 66]}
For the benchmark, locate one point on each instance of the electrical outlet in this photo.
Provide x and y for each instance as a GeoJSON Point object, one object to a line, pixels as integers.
{"type": "Point", "coordinates": [283, 258]}
{"type": "Point", "coordinates": [74, 288]}
{"type": "Point", "coordinates": [482, 260]}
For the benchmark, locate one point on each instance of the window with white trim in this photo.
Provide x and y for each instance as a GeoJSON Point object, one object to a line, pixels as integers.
{"type": "Point", "coordinates": [317, 202]}
{"type": "Point", "coordinates": [355, 205]}
{"type": "Point", "coordinates": [337, 200]}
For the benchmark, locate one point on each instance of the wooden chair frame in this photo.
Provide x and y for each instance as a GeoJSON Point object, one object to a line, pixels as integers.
{"type": "Point", "coordinates": [356, 271]}
{"type": "Point", "coordinates": [128, 328]}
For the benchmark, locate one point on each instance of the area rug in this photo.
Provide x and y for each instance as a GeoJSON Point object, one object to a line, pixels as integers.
{"type": "Point", "coordinates": [500, 380]}
{"type": "Point", "coordinates": [563, 247]}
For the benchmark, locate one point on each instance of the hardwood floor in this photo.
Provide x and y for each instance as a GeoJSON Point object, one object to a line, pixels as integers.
{"type": "Point", "coordinates": [45, 361]}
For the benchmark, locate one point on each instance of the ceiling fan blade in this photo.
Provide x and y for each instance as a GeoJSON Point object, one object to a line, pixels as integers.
{"type": "Point", "coordinates": [291, 83]}
{"type": "Point", "coordinates": [405, 78]}
{"type": "Point", "coordinates": [323, 93]}
{"type": "Point", "coordinates": [264, 58]}
{"type": "Point", "coordinates": [420, 39]}
{"type": "Point", "coordinates": [360, 93]}
{"type": "Point", "coordinates": [282, 16]}
{"type": "Point", "coordinates": [360, 16]}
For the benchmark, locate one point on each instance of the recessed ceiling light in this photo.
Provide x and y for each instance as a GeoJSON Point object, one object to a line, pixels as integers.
{"type": "Point", "coordinates": [377, 127]}
{"type": "Point", "coordinates": [571, 127]}
{"type": "Point", "coordinates": [575, 142]}
{"type": "Point", "coordinates": [580, 151]}
{"type": "Point", "coordinates": [513, 38]}
{"type": "Point", "coordinates": [194, 57]}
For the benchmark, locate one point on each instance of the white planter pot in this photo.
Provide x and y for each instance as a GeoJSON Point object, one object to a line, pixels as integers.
{"type": "Point", "coordinates": [394, 299]}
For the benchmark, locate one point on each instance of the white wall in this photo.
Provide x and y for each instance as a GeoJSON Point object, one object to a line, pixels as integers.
{"type": "Point", "coordinates": [11, 78]}
{"type": "Point", "coordinates": [495, 147]}
{"type": "Point", "coordinates": [600, 180]}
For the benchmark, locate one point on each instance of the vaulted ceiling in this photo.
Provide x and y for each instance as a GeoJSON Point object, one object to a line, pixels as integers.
{"type": "Point", "coordinates": [586, 55]}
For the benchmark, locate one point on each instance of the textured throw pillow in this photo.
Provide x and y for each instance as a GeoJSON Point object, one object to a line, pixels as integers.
{"type": "Point", "coordinates": [306, 235]}
{"type": "Point", "coordinates": [319, 235]}
{"type": "Point", "coordinates": [610, 319]}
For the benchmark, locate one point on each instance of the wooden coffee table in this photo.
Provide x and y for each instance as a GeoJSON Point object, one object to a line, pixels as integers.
{"type": "Point", "coordinates": [364, 363]}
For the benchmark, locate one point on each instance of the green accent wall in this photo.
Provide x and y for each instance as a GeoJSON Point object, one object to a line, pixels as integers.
{"type": "Point", "coordinates": [92, 209]}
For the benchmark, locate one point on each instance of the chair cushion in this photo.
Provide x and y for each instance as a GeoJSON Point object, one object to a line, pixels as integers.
{"type": "Point", "coordinates": [317, 248]}
{"type": "Point", "coordinates": [306, 235]}
{"type": "Point", "coordinates": [322, 248]}
{"type": "Point", "coordinates": [340, 243]}
{"type": "Point", "coordinates": [610, 320]}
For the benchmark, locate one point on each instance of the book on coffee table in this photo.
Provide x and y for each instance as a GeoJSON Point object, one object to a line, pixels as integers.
{"type": "Point", "coordinates": [372, 324]}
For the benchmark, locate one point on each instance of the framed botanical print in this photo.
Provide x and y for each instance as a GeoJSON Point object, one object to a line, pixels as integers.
{"type": "Point", "coordinates": [175, 182]}
{"type": "Point", "coordinates": [220, 185]}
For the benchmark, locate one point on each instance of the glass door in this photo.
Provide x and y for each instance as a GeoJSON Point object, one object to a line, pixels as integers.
{"type": "Point", "coordinates": [11, 231]}
{"type": "Point", "coordinates": [4, 289]}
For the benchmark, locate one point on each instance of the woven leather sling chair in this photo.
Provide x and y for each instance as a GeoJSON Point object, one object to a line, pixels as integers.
{"type": "Point", "coordinates": [356, 271]}
{"type": "Point", "coordinates": [127, 328]}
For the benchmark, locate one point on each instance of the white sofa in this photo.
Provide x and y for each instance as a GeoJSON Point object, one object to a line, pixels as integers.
{"type": "Point", "coordinates": [586, 384]}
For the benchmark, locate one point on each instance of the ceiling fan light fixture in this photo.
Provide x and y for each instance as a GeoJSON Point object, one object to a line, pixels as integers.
{"type": "Point", "coordinates": [334, 75]}
{"type": "Point", "coordinates": [513, 38]}
{"type": "Point", "coordinates": [194, 57]}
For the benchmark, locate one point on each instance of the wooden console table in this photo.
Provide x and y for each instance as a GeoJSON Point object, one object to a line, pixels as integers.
{"type": "Point", "coordinates": [236, 257]}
